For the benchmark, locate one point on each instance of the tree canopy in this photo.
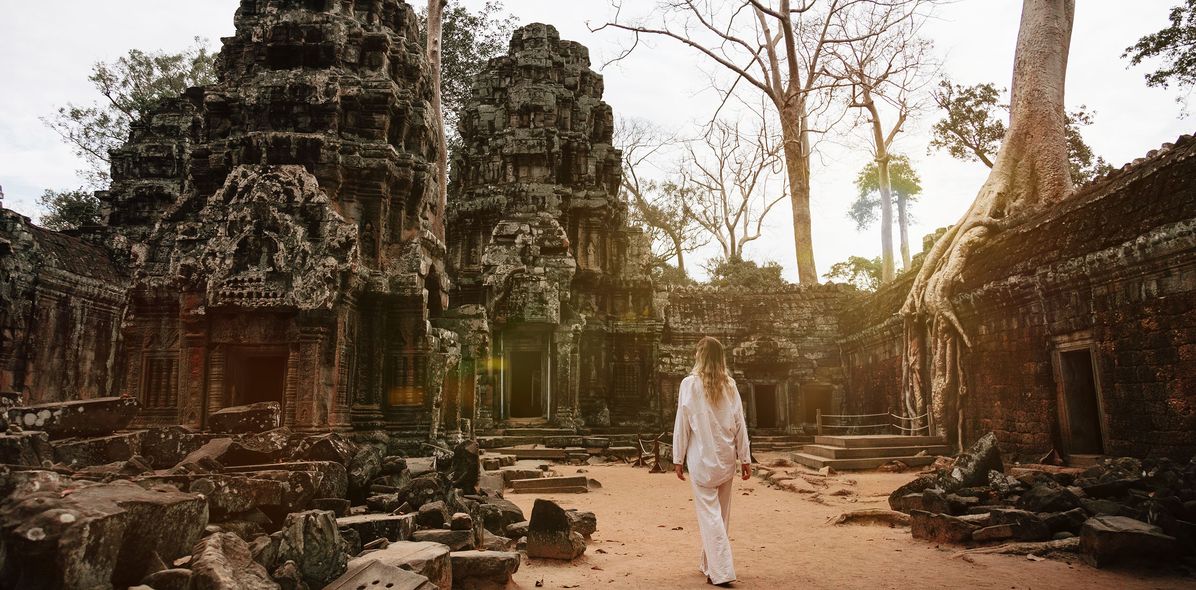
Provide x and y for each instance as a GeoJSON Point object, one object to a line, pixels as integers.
{"type": "Point", "coordinates": [66, 210]}
{"type": "Point", "coordinates": [973, 126]}
{"type": "Point", "coordinates": [863, 273]}
{"type": "Point", "coordinates": [747, 274]}
{"type": "Point", "coordinates": [905, 182]}
{"type": "Point", "coordinates": [130, 87]}
{"type": "Point", "coordinates": [1174, 45]}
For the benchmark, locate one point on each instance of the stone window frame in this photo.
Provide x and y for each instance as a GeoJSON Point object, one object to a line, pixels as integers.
{"type": "Point", "coordinates": [1083, 340]}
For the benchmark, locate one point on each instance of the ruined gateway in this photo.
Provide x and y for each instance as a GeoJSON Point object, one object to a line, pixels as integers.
{"type": "Point", "coordinates": [278, 237]}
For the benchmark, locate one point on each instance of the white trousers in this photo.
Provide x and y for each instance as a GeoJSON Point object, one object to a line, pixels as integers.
{"type": "Point", "coordinates": [713, 506]}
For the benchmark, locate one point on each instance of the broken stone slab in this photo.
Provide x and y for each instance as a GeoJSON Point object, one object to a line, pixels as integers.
{"type": "Point", "coordinates": [375, 574]}
{"type": "Point", "coordinates": [555, 485]}
{"type": "Point", "coordinates": [338, 506]}
{"type": "Point", "coordinates": [73, 534]}
{"type": "Point", "coordinates": [1109, 540]}
{"type": "Point", "coordinates": [585, 523]}
{"type": "Point", "coordinates": [1048, 497]}
{"type": "Point", "coordinates": [490, 566]}
{"type": "Point", "coordinates": [550, 533]}
{"type": "Point", "coordinates": [461, 521]}
{"type": "Point", "coordinates": [497, 513]}
{"type": "Point", "coordinates": [311, 539]}
{"type": "Point", "coordinates": [223, 562]}
{"type": "Point", "coordinates": [84, 452]}
{"type": "Point", "coordinates": [258, 417]}
{"type": "Point", "coordinates": [516, 530]}
{"type": "Point", "coordinates": [371, 527]}
{"type": "Point", "coordinates": [362, 462]}
{"type": "Point", "coordinates": [455, 540]}
{"type": "Point", "coordinates": [166, 446]}
{"type": "Point", "coordinates": [332, 481]}
{"type": "Point", "coordinates": [513, 473]}
{"type": "Point", "coordinates": [1022, 525]}
{"type": "Point", "coordinates": [91, 417]}
{"type": "Point", "coordinates": [283, 491]}
{"type": "Point", "coordinates": [491, 483]}
{"type": "Point", "coordinates": [940, 528]}
{"type": "Point", "coordinates": [1066, 522]}
{"type": "Point", "coordinates": [430, 560]}
{"type": "Point", "coordinates": [28, 449]}
{"type": "Point", "coordinates": [433, 515]}
{"type": "Point", "coordinates": [492, 542]}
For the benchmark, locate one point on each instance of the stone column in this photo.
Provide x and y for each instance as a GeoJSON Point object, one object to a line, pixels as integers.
{"type": "Point", "coordinates": [192, 362]}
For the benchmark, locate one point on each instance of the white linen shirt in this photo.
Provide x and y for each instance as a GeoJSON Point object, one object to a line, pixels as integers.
{"type": "Point", "coordinates": [711, 440]}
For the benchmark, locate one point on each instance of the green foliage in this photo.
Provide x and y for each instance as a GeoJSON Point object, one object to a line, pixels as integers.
{"type": "Point", "coordinates": [973, 126]}
{"type": "Point", "coordinates": [667, 274]}
{"type": "Point", "coordinates": [970, 127]}
{"type": "Point", "coordinates": [863, 273]}
{"type": "Point", "coordinates": [905, 182]}
{"type": "Point", "coordinates": [1175, 45]}
{"type": "Point", "coordinates": [131, 87]}
{"type": "Point", "coordinates": [468, 41]}
{"type": "Point", "coordinates": [65, 210]}
{"type": "Point", "coordinates": [746, 274]}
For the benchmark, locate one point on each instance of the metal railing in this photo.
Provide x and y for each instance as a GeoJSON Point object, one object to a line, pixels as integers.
{"type": "Point", "coordinates": [883, 423]}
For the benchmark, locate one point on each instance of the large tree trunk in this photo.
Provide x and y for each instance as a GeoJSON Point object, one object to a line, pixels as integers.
{"type": "Point", "coordinates": [1030, 170]}
{"type": "Point", "coordinates": [797, 165]}
{"type": "Point", "coordinates": [435, 32]}
{"type": "Point", "coordinates": [903, 225]}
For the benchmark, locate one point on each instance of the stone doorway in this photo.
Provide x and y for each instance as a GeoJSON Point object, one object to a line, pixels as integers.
{"type": "Point", "coordinates": [766, 406]}
{"type": "Point", "coordinates": [815, 398]}
{"type": "Point", "coordinates": [1081, 414]}
{"type": "Point", "coordinates": [256, 375]}
{"type": "Point", "coordinates": [527, 384]}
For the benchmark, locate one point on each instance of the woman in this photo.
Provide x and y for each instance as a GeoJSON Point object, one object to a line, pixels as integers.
{"type": "Point", "coordinates": [711, 437]}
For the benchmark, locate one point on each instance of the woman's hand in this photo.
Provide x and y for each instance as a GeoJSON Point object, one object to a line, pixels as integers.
{"type": "Point", "coordinates": [747, 471]}
{"type": "Point", "coordinates": [680, 469]}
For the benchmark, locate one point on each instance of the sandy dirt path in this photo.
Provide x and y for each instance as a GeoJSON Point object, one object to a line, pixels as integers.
{"type": "Point", "coordinates": [780, 539]}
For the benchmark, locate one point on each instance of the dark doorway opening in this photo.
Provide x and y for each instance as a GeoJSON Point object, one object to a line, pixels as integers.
{"type": "Point", "coordinates": [766, 406]}
{"type": "Point", "coordinates": [527, 384]}
{"type": "Point", "coordinates": [816, 397]}
{"type": "Point", "coordinates": [255, 376]}
{"type": "Point", "coordinates": [1081, 405]}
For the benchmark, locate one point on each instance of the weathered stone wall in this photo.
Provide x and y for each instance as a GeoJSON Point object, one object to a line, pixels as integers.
{"type": "Point", "coordinates": [61, 302]}
{"type": "Point", "coordinates": [1111, 270]}
{"type": "Point", "coordinates": [785, 339]}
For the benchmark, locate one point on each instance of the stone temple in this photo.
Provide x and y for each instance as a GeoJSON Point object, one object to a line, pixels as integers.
{"type": "Point", "coordinates": [278, 237]}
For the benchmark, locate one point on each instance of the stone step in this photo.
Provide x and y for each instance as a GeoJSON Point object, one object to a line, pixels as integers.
{"type": "Point", "coordinates": [496, 442]}
{"type": "Point", "coordinates": [832, 452]}
{"type": "Point", "coordinates": [536, 431]}
{"type": "Point", "coordinates": [817, 462]}
{"type": "Point", "coordinates": [856, 441]}
{"type": "Point", "coordinates": [544, 453]}
{"type": "Point", "coordinates": [550, 484]}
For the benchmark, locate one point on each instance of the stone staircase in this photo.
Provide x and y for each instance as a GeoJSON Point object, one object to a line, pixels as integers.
{"type": "Point", "coordinates": [870, 451]}
{"type": "Point", "coordinates": [764, 442]}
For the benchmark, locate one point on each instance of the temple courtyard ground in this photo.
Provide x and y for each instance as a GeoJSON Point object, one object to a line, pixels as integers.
{"type": "Point", "coordinates": [647, 538]}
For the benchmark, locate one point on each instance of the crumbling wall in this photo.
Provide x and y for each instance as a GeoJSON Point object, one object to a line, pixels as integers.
{"type": "Point", "coordinates": [1112, 270]}
{"type": "Point", "coordinates": [61, 301]}
{"type": "Point", "coordinates": [785, 338]}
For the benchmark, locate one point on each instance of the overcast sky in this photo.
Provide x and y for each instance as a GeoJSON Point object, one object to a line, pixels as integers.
{"type": "Point", "coordinates": [47, 49]}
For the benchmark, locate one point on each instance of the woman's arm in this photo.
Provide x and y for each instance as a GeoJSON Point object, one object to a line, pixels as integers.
{"type": "Point", "coordinates": [681, 433]}
{"type": "Point", "coordinates": [743, 448]}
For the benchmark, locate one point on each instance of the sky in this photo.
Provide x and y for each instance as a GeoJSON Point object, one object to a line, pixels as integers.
{"type": "Point", "coordinates": [47, 49]}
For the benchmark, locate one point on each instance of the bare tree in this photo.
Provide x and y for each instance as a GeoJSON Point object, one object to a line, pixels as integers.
{"type": "Point", "coordinates": [1030, 172]}
{"type": "Point", "coordinates": [656, 205]}
{"type": "Point", "coordinates": [728, 177]}
{"type": "Point", "coordinates": [779, 47]}
{"type": "Point", "coordinates": [886, 74]}
{"type": "Point", "coordinates": [435, 25]}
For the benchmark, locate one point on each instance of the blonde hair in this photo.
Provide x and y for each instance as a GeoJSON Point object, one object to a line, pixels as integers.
{"type": "Point", "coordinates": [710, 365]}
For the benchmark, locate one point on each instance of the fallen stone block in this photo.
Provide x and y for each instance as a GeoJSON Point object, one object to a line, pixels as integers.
{"type": "Point", "coordinates": [278, 491]}
{"type": "Point", "coordinates": [490, 566]}
{"type": "Point", "coordinates": [339, 507]}
{"type": "Point", "coordinates": [1022, 525]}
{"type": "Point", "coordinates": [516, 530]}
{"type": "Point", "coordinates": [91, 417]}
{"type": "Point", "coordinates": [375, 574]}
{"type": "Point", "coordinates": [455, 540]}
{"type": "Point", "coordinates": [493, 542]}
{"type": "Point", "coordinates": [550, 533]}
{"type": "Point", "coordinates": [430, 560]}
{"type": "Point", "coordinates": [223, 562]}
{"type": "Point", "coordinates": [258, 417]}
{"type": "Point", "coordinates": [28, 449]}
{"type": "Point", "coordinates": [362, 462]}
{"type": "Point", "coordinates": [166, 446]}
{"type": "Point", "coordinates": [332, 481]}
{"type": "Point", "coordinates": [549, 485]}
{"type": "Point", "coordinates": [1108, 540]}
{"type": "Point", "coordinates": [73, 534]}
{"type": "Point", "coordinates": [169, 579]}
{"type": "Point", "coordinates": [940, 528]}
{"type": "Point", "coordinates": [585, 523]}
{"type": "Point", "coordinates": [1048, 497]}
{"type": "Point", "coordinates": [432, 515]}
{"type": "Point", "coordinates": [83, 452]}
{"type": "Point", "coordinates": [461, 521]}
{"type": "Point", "coordinates": [371, 527]}
{"type": "Point", "coordinates": [497, 513]}
{"type": "Point", "coordinates": [311, 539]}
